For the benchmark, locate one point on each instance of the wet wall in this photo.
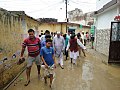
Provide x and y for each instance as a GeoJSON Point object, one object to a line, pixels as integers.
{"type": "Point", "coordinates": [102, 41]}
{"type": "Point", "coordinates": [10, 45]}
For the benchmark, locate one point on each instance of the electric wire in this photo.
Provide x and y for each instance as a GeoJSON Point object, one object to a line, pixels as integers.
{"type": "Point", "coordinates": [53, 5]}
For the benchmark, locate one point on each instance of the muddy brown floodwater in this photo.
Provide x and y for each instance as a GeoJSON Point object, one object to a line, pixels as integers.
{"type": "Point", "coordinates": [89, 74]}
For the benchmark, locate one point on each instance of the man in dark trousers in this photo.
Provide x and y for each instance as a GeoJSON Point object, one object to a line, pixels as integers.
{"type": "Point", "coordinates": [92, 41]}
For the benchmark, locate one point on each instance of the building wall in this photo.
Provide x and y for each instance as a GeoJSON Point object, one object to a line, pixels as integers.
{"type": "Point", "coordinates": [104, 20]}
{"type": "Point", "coordinates": [12, 33]}
{"type": "Point", "coordinates": [101, 3]}
{"type": "Point", "coordinates": [103, 41]}
{"type": "Point", "coordinates": [51, 27]}
{"type": "Point", "coordinates": [60, 28]}
{"type": "Point", "coordinates": [57, 28]}
{"type": "Point", "coordinates": [10, 43]}
{"type": "Point", "coordinates": [63, 28]}
{"type": "Point", "coordinates": [31, 24]}
{"type": "Point", "coordinates": [103, 25]}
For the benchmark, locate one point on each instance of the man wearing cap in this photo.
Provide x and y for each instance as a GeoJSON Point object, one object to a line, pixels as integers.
{"type": "Point", "coordinates": [59, 46]}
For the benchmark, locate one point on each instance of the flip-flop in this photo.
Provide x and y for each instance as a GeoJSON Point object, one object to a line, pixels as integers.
{"type": "Point", "coordinates": [62, 67]}
{"type": "Point", "coordinates": [26, 84]}
{"type": "Point", "coordinates": [50, 86]}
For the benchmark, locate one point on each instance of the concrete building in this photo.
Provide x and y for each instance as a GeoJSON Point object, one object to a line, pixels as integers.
{"type": "Point", "coordinates": [77, 16]}
{"type": "Point", "coordinates": [105, 14]}
{"type": "Point", "coordinates": [27, 23]}
{"type": "Point", "coordinates": [45, 20]}
{"type": "Point", "coordinates": [10, 44]}
{"type": "Point", "coordinates": [61, 27]}
{"type": "Point", "coordinates": [14, 27]}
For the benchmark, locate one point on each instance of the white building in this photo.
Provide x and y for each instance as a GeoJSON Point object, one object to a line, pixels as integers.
{"type": "Point", "coordinates": [105, 14]}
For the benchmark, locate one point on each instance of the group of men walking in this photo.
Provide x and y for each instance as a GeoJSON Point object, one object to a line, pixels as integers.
{"type": "Point", "coordinates": [44, 50]}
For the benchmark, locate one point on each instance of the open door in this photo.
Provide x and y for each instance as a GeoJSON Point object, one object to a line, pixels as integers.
{"type": "Point", "coordinates": [114, 48]}
{"type": "Point", "coordinates": [72, 31]}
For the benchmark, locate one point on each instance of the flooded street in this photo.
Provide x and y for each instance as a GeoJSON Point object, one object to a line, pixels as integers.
{"type": "Point", "coordinates": [89, 74]}
{"type": "Point", "coordinates": [34, 29]}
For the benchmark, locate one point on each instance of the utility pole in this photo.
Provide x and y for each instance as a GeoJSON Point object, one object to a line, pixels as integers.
{"type": "Point", "coordinates": [66, 2]}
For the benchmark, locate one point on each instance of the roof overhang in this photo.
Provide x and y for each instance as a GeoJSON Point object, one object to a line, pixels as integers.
{"type": "Point", "coordinates": [67, 23]}
{"type": "Point", "coordinates": [110, 5]}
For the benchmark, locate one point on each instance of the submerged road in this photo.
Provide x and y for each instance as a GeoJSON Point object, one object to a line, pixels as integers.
{"type": "Point", "coordinates": [89, 74]}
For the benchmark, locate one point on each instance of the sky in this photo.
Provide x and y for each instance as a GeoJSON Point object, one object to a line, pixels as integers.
{"type": "Point", "coordinates": [47, 8]}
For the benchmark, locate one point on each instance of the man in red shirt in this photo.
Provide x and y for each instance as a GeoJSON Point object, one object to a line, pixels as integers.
{"type": "Point", "coordinates": [33, 47]}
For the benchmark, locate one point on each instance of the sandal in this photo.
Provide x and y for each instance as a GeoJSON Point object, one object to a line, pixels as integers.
{"type": "Point", "coordinates": [62, 67]}
{"type": "Point", "coordinates": [50, 86]}
{"type": "Point", "coordinates": [26, 84]}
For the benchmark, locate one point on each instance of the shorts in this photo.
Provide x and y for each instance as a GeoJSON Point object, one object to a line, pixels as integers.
{"type": "Point", "coordinates": [33, 59]}
{"type": "Point", "coordinates": [74, 55]}
{"type": "Point", "coordinates": [48, 71]}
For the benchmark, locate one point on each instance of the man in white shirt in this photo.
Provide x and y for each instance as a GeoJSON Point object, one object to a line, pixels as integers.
{"type": "Point", "coordinates": [59, 46]}
{"type": "Point", "coordinates": [73, 46]}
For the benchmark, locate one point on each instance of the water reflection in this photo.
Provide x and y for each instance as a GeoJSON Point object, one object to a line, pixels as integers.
{"type": "Point", "coordinates": [87, 74]}
{"type": "Point", "coordinates": [87, 71]}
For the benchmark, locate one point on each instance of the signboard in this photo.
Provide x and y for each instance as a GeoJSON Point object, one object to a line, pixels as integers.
{"type": "Point", "coordinates": [81, 26]}
{"type": "Point", "coordinates": [92, 30]}
{"type": "Point", "coordinates": [117, 18]}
